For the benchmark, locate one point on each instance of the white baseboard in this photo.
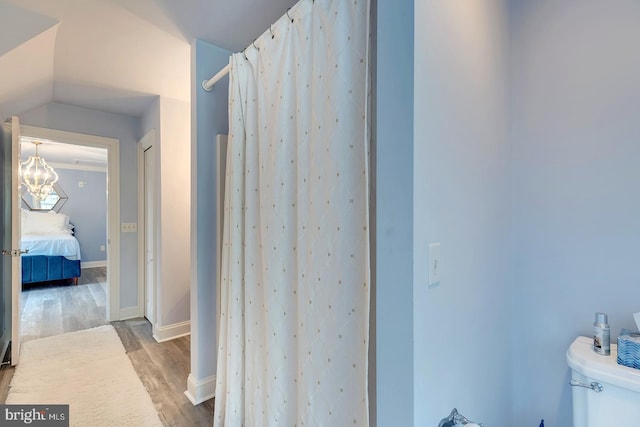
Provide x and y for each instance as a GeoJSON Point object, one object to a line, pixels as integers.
{"type": "Point", "coordinates": [200, 391]}
{"type": "Point", "coordinates": [130, 313]}
{"type": "Point", "coordinates": [93, 264]}
{"type": "Point", "coordinates": [170, 332]}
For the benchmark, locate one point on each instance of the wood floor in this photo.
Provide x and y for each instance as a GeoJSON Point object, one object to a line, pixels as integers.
{"type": "Point", "coordinates": [162, 367]}
{"type": "Point", "coordinates": [54, 308]}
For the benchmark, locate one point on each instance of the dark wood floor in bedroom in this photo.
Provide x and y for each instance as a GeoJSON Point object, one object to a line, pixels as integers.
{"type": "Point", "coordinates": [162, 367]}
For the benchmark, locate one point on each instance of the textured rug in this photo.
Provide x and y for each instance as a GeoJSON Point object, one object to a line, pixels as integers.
{"type": "Point", "coordinates": [90, 371]}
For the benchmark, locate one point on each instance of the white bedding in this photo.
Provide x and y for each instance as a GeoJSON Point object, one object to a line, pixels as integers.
{"type": "Point", "coordinates": [51, 244]}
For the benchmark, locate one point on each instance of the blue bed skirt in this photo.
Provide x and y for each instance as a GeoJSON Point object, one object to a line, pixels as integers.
{"type": "Point", "coordinates": [41, 268]}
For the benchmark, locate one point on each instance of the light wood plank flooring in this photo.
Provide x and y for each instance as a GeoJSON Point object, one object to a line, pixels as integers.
{"type": "Point", "coordinates": [162, 367]}
{"type": "Point", "coordinates": [53, 308]}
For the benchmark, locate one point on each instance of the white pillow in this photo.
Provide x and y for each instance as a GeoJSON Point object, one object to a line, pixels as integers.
{"type": "Point", "coordinates": [44, 223]}
{"type": "Point", "coordinates": [66, 218]}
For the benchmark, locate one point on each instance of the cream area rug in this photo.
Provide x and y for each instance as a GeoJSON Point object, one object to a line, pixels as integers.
{"type": "Point", "coordinates": [90, 371]}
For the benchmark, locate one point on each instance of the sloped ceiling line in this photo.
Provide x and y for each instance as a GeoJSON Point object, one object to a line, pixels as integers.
{"type": "Point", "coordinates": [27, 74]}
{"type": "Point", "coordinates": [115, 55]}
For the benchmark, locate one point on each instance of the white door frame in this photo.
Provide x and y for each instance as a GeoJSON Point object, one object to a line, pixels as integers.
{"type": "Point", "coordinates": [147, 141]}
{"type": "Point", "coordinates": [222, 142]}
{"type": "Point", "coordinates": [112, 146]}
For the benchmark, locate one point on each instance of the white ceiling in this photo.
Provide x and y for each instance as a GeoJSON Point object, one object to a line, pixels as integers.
{"type": "Point", "coordinates": [59, 152]}
{"type": "Point", "coordinates": [115, 55]}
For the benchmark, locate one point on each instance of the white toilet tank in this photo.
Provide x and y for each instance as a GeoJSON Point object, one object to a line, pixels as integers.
{"type": "Point", "coordinates": [618, 403]}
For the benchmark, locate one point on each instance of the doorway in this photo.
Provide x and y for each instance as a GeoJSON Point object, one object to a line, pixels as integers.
{"type": "Point", "coordinates": [50, 303]}
{"type": "Point", "coordinates": [112, 246]}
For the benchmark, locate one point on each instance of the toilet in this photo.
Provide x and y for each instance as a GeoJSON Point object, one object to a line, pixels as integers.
{"type": "Point", "coordinates": [605, 394]}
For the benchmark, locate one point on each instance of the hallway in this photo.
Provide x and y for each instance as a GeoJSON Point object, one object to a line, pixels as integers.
{"type": "Point", "coordinates": [162, 367]}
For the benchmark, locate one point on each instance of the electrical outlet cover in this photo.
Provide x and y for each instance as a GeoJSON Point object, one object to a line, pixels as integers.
{"type": "Point", "coordinates": [435, 264]}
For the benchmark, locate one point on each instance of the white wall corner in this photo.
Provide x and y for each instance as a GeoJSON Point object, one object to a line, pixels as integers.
{"type": "Point", "coordinates": [170, 332]}
{"type": "Point", "coordinates": [130, 313]}
{"type": "Point", "coordinates": [199, 391]}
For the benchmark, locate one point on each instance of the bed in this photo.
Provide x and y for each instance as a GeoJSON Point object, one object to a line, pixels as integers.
{"type": "Point", "coordinates": [54, 252]}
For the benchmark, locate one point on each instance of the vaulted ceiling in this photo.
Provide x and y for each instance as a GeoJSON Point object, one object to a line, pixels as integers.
{"type": "Point", "coordinates": [115, 55]}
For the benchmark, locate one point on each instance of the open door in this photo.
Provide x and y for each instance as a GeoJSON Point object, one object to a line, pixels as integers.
{"type": "Point", "coordinates": [5, 240]}
{"type": "Point", "coordinates": [12, 216]}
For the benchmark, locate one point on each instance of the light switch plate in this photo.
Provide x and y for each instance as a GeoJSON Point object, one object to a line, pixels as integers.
{"type": "Point", "coordinates": [129, 227]}
{"type": "Point", "coordinates": [435, 264]}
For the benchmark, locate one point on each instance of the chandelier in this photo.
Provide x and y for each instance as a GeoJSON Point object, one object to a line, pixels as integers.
{"type": "Point", "coordinates": [37, 176]}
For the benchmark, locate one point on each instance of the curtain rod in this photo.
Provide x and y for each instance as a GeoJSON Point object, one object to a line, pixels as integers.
{"type": "Point", "coordinates": [208, 84]}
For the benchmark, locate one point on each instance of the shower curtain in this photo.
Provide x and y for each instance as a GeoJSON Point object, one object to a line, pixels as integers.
{"type": "Point", "coordinates": [293, 344]}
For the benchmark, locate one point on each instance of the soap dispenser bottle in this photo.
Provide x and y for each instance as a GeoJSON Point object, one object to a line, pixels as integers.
{"type": "Point", "coordinates": [601, 335]}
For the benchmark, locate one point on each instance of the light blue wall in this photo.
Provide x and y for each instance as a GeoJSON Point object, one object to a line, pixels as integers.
{"type": "Point", "coordinates": [393, 216]}
{"type": "Point", "coordinates": [576, 172]}
{"type": "Point", "coordinates": [209, 118]}
{"type": "Point", "coordinates": [151, 118]}
{"type": "Point", "coordinates": [461, 200]}
{"type": "Point", "coordinates": [87, 210]}
{"type": "Point", "coordinates": [127, 130]}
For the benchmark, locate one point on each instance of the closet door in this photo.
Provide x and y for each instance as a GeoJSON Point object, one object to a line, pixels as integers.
{"type": "Point", "coordinates": [149, 200]}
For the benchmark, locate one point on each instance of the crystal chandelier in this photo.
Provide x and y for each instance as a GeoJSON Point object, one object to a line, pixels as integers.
{"type": "Point", "coordinates": [37, 176]}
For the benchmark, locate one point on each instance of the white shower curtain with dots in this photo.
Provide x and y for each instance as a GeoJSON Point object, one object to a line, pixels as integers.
{"type": "Point", "coordinates": [294, 328]}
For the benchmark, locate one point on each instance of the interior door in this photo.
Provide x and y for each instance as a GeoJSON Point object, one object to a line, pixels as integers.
{"type": "Point", "coordinates": [149, 200]}
{"type": "Point", "coordinates": [16, 260]}
{"type": "Point", "coordinates": [5, 238]}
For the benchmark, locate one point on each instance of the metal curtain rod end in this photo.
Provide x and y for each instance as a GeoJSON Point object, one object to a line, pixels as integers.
{"type": "Point", "coordinates": [205, 86]}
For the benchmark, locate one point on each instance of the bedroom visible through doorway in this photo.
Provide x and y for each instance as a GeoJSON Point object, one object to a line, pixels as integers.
{"type": "Point", "coordinates": [52, 303]}
{"type": "Point", "coordinates": [51, 307]}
